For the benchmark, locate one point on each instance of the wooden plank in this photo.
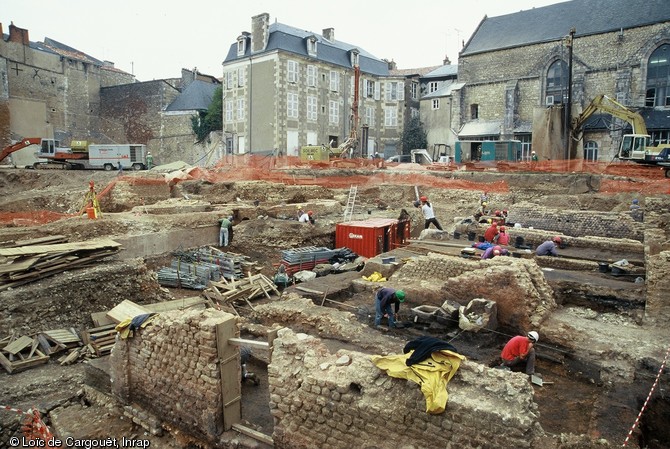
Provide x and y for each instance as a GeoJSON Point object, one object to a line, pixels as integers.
{"type": "Point", "coordinates": [229, 366]}
{"type": "Point", "coordinates": [94, 244]}
{"type": "Point", "coordinates": [63, 336]}
{"type": "Point", "coordinates": [126, 310]}
{"type": "Point", "coordinates": [20, 265]}
{"type": "Point", "coordinates": [18, 345]}
{"type": "Point", "coordinates": [256, 435]}
{"type": "Point", "coordinates": [308, 290]}
{"type": "Point", "coordinates": [176, 304]}
{"type": "Point", "coordinates": [101, 319]}
{"type": "Point", "coordinates": [40, 240]}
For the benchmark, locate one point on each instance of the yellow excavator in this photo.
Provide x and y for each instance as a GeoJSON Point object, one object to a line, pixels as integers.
{"type": "Point", "coordinates": [634, 147]}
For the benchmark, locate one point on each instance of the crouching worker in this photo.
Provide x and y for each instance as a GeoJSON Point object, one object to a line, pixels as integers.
{"type": "Point", "coordinates": [245, 355]}
{"type": "Point", "coordinates": [519, 352]}
{"type": "Point", "coordinates": [383, 299]}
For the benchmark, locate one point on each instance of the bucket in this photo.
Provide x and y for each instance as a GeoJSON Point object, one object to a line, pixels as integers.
{"type": "Point", "coordinates": [90, 212]}
{"type": "Point", "coordinates": [471, 236]}
{"type": "Point", "coordinates": [457, 235]}
{"type": "Point", "coordinates": [603, 267]}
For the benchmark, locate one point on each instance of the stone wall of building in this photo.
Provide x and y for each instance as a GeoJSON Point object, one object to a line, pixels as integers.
{"type": "Point", "coordinates": [171, 370]}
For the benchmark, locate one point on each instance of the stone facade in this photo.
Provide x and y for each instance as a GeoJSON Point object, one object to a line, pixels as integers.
{"type": "Point", "coordinates": [170, 370]}
{"type": "Point", "coordinates": [612, 63]}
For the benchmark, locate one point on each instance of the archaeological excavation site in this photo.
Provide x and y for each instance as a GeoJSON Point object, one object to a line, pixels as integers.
{"type": "Point", "coordinates": [126, 321]}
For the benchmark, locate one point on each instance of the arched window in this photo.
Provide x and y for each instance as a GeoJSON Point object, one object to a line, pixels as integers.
{"type": "Point", "coordinates": [658, 81]}
{"type": "Point", "coordinates": [591, 151]}
{"type": "Point", "coordinates": [557, 83]}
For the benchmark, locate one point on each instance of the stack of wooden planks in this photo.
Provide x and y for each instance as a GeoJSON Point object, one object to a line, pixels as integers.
{"type": "Point", "coordinates": [100, 340]}
{"type": "Point", "coordinates": [19, 353]}
{"type": "Point", "coordinates": [38, 258]}
{"type": "Point", "coordinates": [57, 340]}
{"type": "Point", "coordinates": [245, 289]}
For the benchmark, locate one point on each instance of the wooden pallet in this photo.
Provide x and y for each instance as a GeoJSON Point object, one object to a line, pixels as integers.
{"type": "Point", "coordinates": [20, 353]}
{"type": "Point", "coordinates": [100, 339]}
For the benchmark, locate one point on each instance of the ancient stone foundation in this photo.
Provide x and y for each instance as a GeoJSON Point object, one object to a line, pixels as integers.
{"type": "Point", "coordinates": [170, 370]}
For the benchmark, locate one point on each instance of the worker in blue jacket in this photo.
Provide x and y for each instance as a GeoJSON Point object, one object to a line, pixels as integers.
{"type": "Point", "coordinates": [383, 299]}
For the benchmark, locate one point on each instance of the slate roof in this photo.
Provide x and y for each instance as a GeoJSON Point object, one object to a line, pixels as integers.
{"type": "Point", "coordinates": [196, 97]}
{"type": "Point", "coordinates": [443, 91]}
{"type": "Point", "coordinates": [65, 50]}
{"type": "Point", "coordinates": [290, 39]}
{"type": "Point", "coordinates": [551, 23]}
{"type": "Point", "coordinates": [442, 71]}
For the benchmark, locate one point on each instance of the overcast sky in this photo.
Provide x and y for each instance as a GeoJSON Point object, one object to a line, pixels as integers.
{"type": "Point", "coordinates": [155, 39]}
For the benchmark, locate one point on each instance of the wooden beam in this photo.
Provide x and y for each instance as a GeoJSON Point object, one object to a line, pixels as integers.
{"type": "Point", "coordinates": [250, 343]}
{"type": "Point", "coordinates": [267, 439]}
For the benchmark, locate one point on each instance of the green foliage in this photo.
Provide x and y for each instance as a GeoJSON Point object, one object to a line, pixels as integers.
{"type": "Point", "coordinates": [414, 136]}
{"type": "Point", "coordinates": [211, 120]}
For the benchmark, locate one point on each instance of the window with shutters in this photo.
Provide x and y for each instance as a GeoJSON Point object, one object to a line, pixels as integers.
{"type": "Point", "coordinates": [229, 111]}
{"type": "Point", "coordinates": [390, 117]}
{"type": "Point", "coordinates": [369, 88]}
{"type": "Point", "coordinates": [370, 116]}
{"type": "Point", "coordinates": [311, 76]}
{"type": "Point", "coordinates": [240, 109]}
{"type": "Point", "coordinates": [395, 91]}
{"type": "Point", "coordinates": [334, 81]}
{"type": "Point", "coordinates": [312, 108]}
{"type": "Point", "coordinates": [292, 71]}
{"type": "Point", "coordinates": [229, 80]}
{"type": "Point", "coordinates": [333, 111]}
{"type": "Point", "coordinates": [292, 105]}
{"type": "Point", "coordinates": [241, 78]}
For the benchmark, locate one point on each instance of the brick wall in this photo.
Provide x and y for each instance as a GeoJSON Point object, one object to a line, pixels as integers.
{"type": "Point", "coordinates": [576, 223]}
{"type": "Point", "coordinates": [171, 369]}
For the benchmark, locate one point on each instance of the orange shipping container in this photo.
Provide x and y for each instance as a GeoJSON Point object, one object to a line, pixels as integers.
{"type": "Point", "coordinates": [369, 238]}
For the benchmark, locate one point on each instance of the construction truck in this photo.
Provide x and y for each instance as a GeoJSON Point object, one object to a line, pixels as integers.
{"type": "Point", "coordinates": [634, 147]}
{"type": "Point", "coordinates": [28, 141]}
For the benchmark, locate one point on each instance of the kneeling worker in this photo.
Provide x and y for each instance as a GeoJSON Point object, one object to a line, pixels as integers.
{"type": "Point", "coordinates": [519, 351]}
{"type": "Point", "coordinates": [383, 300]}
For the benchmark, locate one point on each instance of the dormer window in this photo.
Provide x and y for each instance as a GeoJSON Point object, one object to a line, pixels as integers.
{"type": "Point", "coordinates": [241, 45]}
{"type": "Point", "coordinates": [311, 46]}
{"type": "Point", "coordinates": [353, 55]}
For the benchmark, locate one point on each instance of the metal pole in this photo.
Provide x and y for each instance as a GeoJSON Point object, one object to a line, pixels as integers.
{"type": "Point", "coordinates": [568, 106]}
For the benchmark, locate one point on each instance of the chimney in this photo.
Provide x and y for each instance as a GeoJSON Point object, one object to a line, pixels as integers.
{"type": "Point", "coordinates": [260, 32]}
{"type": "Point", "coordinates": [18, 35]}
{"type": "Point", "coordinates": [1, 33]}
{"type": "Point", "coordinates": [446, 60]}
{"type": "Point", "coordinates": [329, 34]}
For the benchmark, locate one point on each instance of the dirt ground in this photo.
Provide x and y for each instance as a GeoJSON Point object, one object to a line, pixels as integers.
{"type": "Point", "coordinates": [32, 198]}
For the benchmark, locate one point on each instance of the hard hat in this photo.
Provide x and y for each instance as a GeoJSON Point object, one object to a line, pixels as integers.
{"type": "Point", "coordinates": [496, 248]}
{"type": "Point", "coordinates": [497, 212]}
{"type": "Point", "coordinates": [532, 152]}
{"type": "Point", "coordinates": [424, 198]}
{"type": "Point", "coordinates": [310, 213]}
{"type": "Point", "coordinates": [556, 239]}
{"type": "Point", "coordinates": [400, 295]}
{"type": "Point", "coordinates": [485, 203]}
{"type": "Point", "coordinates": [635, 201]}
{"type": "Point", "coordinates": [298, 207]}
{"type": "Point", "coordinates": [488, 220]}
{"type": "Point", "coordinates": [533, 336]}
{"type": "Point", "coordinates": [496, 252]}
{"type": "Point", "coordinates": [148, 153]}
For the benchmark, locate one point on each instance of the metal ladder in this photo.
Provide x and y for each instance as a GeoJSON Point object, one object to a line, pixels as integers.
{"type": "Point", "coordinates": [349, 210]}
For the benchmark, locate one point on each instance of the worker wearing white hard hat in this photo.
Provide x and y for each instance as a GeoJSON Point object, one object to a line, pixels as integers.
{"type": "Point", "coordinates": [519, 352]}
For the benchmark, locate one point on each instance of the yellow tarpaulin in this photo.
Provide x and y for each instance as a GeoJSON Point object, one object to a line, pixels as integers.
{"type": "Point", "coordinates": [432, 374]}
{"type": "Point", "coordinates": [375, 277]}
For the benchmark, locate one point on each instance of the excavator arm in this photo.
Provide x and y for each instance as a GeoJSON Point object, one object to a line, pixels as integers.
{"type": "Point", "coordinates": [19, 145]}
{"type": "Point", "coordinates": [610, 106]}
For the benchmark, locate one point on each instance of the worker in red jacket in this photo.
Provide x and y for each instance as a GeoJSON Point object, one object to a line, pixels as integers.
{"type": "Point", "coordinates": [491, 232]}
{"type": "Point", "coordinates": [520, 351]}
{"type": "Point", "coordinates": [503, 236]}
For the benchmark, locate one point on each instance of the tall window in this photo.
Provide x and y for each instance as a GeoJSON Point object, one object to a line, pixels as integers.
{"type": "Point", "coordinates": [658, 77]}
{"type": "Point", "coordinates": [240, 77]}
{"type": "Point", "coordinates": [370, 116]}
{"type": "Point", "coordinates": [311, 108]}
{"type": "Point", "coordinates": [436, 103]}
{"type": "Point", "coordinates": [524, 153]}
{"type": "Point", "coordinates": [292, 69]}
{"type": "Point", "coordinates": [392, 91]}
{"type": "Point", "coordinates": [333, 111]}
{"type": "Point", "coordinates": [413, 89]}
{"type": "Point", "coordinates": [292, 105]}
{"type": "Point", "coordinates": [311, 75]}
{"type": "Point", "coordinates": [334, 81]}
{"type": "Point", "coordinates": [229, 111]}
{"type": "Point", "coordinates": [240, 109]}
{"type": "Point", "coordinates": [557, 83]}
{"type": "Point", "coordinates": [229, 80]}
{"type": "Point", "coordinates": [591, 151]}
{"type": "Point", "coordinates": [474, 111]}
{"type": "Point", "coordinates": [432, 86]}
{"type": "Point", "coordinates": [390, 117]}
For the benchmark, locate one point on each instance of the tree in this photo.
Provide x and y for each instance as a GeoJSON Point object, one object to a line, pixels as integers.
{"type": "Point", "coordinates": [414, 136]}
{"type": "Point", "coordinates": [210, 120]}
